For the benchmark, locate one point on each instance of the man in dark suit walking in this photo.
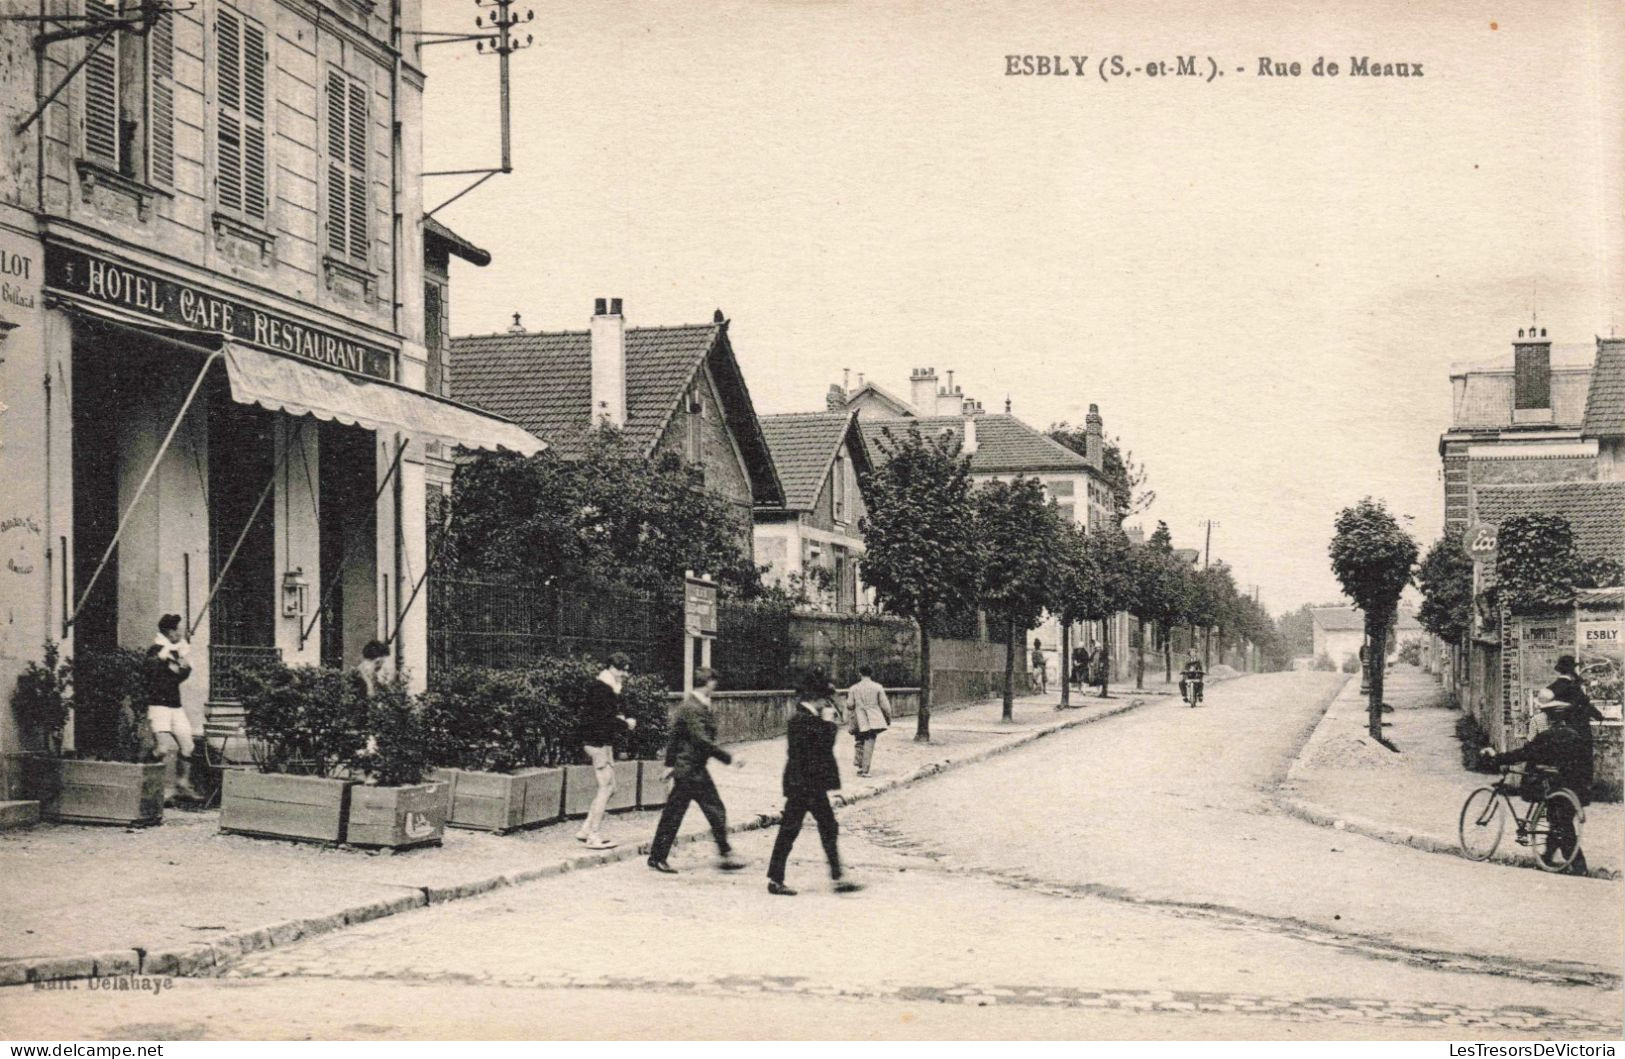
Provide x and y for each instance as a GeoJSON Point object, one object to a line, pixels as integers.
{"type": "Point", "coordinates": [810, 773]}
{"type": "Point", "coordinates": [693, 744]}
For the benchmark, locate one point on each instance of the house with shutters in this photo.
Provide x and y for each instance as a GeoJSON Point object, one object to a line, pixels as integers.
{"type": "Point", "coordinates": [677, 389]}
{"type": "Point", "coordinates": [213, 356]}
{"type": "Point", "coordinates": [810, 540]}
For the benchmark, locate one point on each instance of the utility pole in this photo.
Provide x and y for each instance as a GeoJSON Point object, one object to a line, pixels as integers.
{"type": "Point", "coordinates": [1207, 630]}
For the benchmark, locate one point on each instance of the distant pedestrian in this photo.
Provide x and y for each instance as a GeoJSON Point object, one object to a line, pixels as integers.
{"type": "Point", "coordinates": [167, 667]}
{"type": "Point", "coordinates": [374, 670]}
{"type": "Point", "coordinates": [868, 713]}
{"type": "Point", "coordinates": [1080, 666]}
{"type": "Point", "coordinates": [810, 773]}
{"type": "Point", "coordinates": [1101, 666]}
{"type": "Point", "coordinates": [1039, 668]}
{"type": "Point", "coordinates": [693, 744]}
{"type": "Point", "coordinates": [602, 720]}
{"type": "Point", "coordinates": [1571, 689]}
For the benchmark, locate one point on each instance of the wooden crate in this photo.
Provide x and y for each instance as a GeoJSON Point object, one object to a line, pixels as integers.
{"type": "Point", "coordinates": [398, 817]}
{"type": "Point", "coordinates": [271, 805]}
{"type": "Point", "coordinates": [652, 790]}
{"type": "Point", "coordinates": [544, 796]}
{"type": "Point", "coordinates": [96, 792]}
{"type": "Point", "coordinates": [580, 787]}
{"type": "Point", "coordinates": [485, 801]}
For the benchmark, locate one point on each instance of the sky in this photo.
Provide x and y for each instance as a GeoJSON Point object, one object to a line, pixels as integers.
{"type": "Point", "coordinates": [1261, 281]}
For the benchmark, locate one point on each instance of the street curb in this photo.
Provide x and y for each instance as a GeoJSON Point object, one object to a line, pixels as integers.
{"type": "Point", "coordinates": [207, 959]}
{"type": "Point", "coordinates": [1321, 816]}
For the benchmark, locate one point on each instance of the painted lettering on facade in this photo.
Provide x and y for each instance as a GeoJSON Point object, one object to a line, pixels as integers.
{"type": "Point", "coordinates": [170, 301]}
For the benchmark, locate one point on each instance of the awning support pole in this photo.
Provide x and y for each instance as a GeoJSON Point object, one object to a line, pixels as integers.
{"type": "Point", "coordinates": [440, 546]}
{"type": "Point", "coordinates": [253, 517]}
{"type": "Point", "coordinates": [146, 480]}
{"type": "Point", "coordinates": [332, 585]}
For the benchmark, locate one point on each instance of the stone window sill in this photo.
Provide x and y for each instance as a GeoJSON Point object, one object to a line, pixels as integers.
{"type": "Point", "coordinates": [93, 175]}
{"type": "Point", "coordinates": [228, 227]}
{"type": "Point", "coordinates": [341, 275]}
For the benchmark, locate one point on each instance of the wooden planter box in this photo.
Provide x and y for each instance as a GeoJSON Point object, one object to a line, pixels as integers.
{"type": "Point", "coordinates": [580, 787]}
{"type": "Point", "coordinates": [95, 792]}
{"type": "Point", "coordinates": [271, 805]}
{"type": "Point", "coordinates": [398, 817]}
{"type": "Point", "coordinates": [652, 790]}
{"type": "Point", "coordinates": [501, 801]}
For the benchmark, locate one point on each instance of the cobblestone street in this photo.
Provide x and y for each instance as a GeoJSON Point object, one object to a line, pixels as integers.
{"type": "Point", "coordinates": [1072, 907]}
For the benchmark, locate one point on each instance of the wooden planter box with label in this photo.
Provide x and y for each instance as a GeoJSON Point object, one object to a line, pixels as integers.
{"type": "Point", "coordinates": [72, 791]}
{"type": "Point", "coordinates": [398, 817]}
{"type": "Point", "coordinates": [652, 789]}
{"type": "Point", "coordinates": [271, 805]}
{"type": "Point", "coordinates": [502, 801]}
{"type": "Point", "coordinates": [580, 787]}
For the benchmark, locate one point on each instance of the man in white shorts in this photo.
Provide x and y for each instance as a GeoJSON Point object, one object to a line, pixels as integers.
{"type": "Point", "coordinates": [167, 669]}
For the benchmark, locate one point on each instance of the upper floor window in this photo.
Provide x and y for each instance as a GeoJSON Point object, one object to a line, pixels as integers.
{"type": "Point", "coordinates": [346, 167]}
{"type": "Point", "coordinates": [695, 442]}
{"type": "Point", "coordinates": [838, 483]}
{"type": "Point", "coordinates": [129, 99]}
{"type": "Point", "coordinates": [240, 140]}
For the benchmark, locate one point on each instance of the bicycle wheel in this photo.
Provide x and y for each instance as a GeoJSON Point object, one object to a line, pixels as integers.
{"type": "Point", "coordinates": [1540, 829]}
{"type": "Point", "coordinates": [1483, 821]}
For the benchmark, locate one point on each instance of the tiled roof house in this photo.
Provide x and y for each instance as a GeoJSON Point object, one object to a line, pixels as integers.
{"type": "Point", "coordinates": [674, 388]}
{"type": "Point", "coordinates": [821, 457]}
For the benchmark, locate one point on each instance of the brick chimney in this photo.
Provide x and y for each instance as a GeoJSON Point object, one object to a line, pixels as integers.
{"type": "Point", "coordinates": [835, 400]}
{"type": "Point", "coordinates": [1094, 439]}
{"type": "Point", "coordinates": [608, 331]}
{"type": "Point", "coordinates": [922, 391]}
{"type": "Point", "coordinates": [1532, 376]}
{"type": "Point", "coordinates": [968, 446]}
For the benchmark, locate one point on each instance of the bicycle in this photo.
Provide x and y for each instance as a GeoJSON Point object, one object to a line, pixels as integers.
{"type": "Point", "coordinates": [1193, 691]}
{"type": "Point", "coordinates": [1484, 816]}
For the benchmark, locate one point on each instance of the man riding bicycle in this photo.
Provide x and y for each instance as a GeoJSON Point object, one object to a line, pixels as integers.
{"type": "Point", "coordinates": [1559, 746]}
{"type": "Point", "coordinates": [1190, 679]}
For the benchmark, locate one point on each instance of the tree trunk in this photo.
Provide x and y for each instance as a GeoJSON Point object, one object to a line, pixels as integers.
{"type": "Point", "coordinates": [1167, 654]}
{"type": "Point", "coordinates": [1066, 662]}
{"type": "Point", "coordinates": [1207, 647]}
{"type": "Point", "coordinates": [1105, 657]}
{"type": "Point", "coordinates": [922, 719]}
{"type": "Point", "coordinates": [1010, 670]}
{"type": "Point", "coordinates": [1377, 631]}
{"type": "Point", "coordinates": [1139, 657]}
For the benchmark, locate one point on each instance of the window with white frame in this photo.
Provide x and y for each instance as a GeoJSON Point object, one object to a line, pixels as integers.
{"type": "Point", "coordinates": [128, 100]}
{"type": "Point", "coordinates": [242, 173]}
{"type": "Point", "coordinates": [346, 168]}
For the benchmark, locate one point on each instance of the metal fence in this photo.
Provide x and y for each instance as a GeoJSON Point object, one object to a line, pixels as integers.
{"type": "Point", "coordinates": [503, 625]}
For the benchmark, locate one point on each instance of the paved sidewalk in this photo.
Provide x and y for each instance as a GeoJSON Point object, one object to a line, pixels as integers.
{"type": "Point", "coordinates": [1344, 780]}
{"type": "Point", "coordinates": [184, 899]}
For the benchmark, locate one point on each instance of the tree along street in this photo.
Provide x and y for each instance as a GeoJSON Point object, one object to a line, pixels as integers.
{"type": "Point", "coordinates": [1128, 878]}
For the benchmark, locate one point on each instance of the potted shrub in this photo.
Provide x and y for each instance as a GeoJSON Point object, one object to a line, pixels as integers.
{"type": "Point", "coordinates": [495, 734]}
{"type": "Point", "coordinates": [306, 724]}
{"type": "Point", "coordinates": [396, 808]}
{"type": "Point", "coordinates": [114, 777]}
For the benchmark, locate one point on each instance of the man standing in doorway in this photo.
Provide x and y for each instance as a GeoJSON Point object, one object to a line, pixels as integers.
{"type": "Point", "coordinates": [167, 668]}
{"type": "Point", "coordinates": [602, 720]}
{"type": "Point", "coordinates": [693, 744]}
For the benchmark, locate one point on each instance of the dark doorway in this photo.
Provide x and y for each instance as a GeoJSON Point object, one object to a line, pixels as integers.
{"type": "Point", "coordinates": [242, 459]}
{"type": "Point", "coordinates": [348, 529]}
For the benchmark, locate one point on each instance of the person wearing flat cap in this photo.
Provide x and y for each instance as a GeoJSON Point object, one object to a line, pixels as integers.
{"type": "Point", "coordinates": [810, 773]}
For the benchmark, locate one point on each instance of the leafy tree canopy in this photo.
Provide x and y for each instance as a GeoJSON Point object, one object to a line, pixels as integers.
{"type": "Point", "coordinates": [1372, 556]}
{"type": "Point", "coordinates": [1446, 580]}
{"type": "Point", "coordinates": [1020, 535]}
{"type": "Point", "coordinates": [610, 514]}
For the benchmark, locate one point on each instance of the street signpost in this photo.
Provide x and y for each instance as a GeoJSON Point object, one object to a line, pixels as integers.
{"type": "Point", "coordinates": [699, 623]}
{"type": "Point", "coordinates": [1481, 542]}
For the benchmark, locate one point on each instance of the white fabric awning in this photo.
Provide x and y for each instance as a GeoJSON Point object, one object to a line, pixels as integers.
{"type": "Point", "coordinates": [284, 384]}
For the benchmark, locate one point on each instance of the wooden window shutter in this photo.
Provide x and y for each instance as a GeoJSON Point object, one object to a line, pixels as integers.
{"type": "Point", "coordinates": [358, 170]}
{"type": "Point", "coordinates": [101, 120]}
{"type": "Point", "coordinates": [241, 140]}
{"type": "Point", "coordinates": [255, 195]}
{"type": "Point", "coordinates": [338, 194]}
{"type": "Point", "coordinates": [229, 139]}
{"type": "Point", "coordinates": [161, 100]}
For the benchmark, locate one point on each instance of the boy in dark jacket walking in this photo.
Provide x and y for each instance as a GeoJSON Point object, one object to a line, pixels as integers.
{"type": "Point", "coordinates": [693, 744]}
{"type": "Point", "coordinates": [810, 773]}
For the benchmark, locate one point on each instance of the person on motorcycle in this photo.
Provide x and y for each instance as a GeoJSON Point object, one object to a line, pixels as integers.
{"type": "Point", "coordinates": [1191, 675]}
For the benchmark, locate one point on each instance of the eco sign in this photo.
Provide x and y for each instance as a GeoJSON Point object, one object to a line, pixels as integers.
{"type": "Point", "coordinates": [1481, 541]}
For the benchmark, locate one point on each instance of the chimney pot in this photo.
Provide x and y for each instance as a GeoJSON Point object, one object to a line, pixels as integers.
{"type": "Point", "coordinates": [968, 447]}
{"type": "Point", "coordinates": [615, 307]}
{"type": "Point", "coordinates": [598, 307]}
{"type": "Point", "coordinates": [516, 328]}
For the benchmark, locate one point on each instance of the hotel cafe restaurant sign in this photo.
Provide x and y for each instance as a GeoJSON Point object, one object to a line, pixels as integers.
{"type": "Point", "coordinates": [165, 301]}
